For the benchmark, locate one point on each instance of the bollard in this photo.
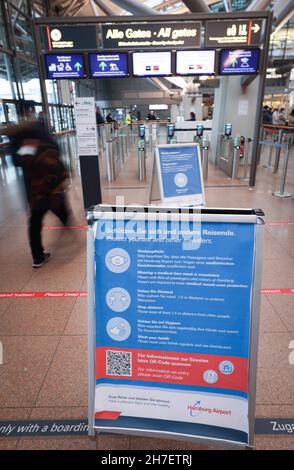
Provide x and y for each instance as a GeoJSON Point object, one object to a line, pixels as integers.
{"type": "Point", "coordinates": [282, 192]}
{"type": "Point", "coordinates": [141, 160]}
{"type": "Point", "coordinates": [278, 151]}
{"type": "Point", "coordinates": [236, 156]}
{"type": "Point", "coordinates": [204, 156]}
{"type": "Point", "coordinates": [110, 162]}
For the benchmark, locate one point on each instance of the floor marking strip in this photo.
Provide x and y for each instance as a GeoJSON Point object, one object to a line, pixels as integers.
{"type": "Point", "coordinates": [79, 294]}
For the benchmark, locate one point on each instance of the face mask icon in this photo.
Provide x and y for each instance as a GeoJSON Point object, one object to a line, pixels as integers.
{"type": "Point", "coordinates": [117, 260]}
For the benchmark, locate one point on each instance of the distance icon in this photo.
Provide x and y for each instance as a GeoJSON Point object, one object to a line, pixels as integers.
{"type": "Point", "coordinates": [118, 299]}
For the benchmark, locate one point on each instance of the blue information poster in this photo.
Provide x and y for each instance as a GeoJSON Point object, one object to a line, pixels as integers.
{"type": "Point", "coordinates": [109, 65]}
{"type": "Point", "coordinates": [239, 62]}
{"type": "Point", "coordinates": [65, 66]}
{"type": "Point", "coordinates": [180, 173]}
{"type": "Point", "coordinates": [172, 315]}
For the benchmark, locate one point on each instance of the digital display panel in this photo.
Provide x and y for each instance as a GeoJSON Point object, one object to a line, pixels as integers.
{"type": "Point", "coordinates": [195, 62]}
{"type": "Point", "coordinates": [65, 66]}
{"type": "Point", "coordinates": [239, 61]}
{"type": "Point", "coordinates": [108, 65]}
{"type": "Point", "coordinates": [151, 64]}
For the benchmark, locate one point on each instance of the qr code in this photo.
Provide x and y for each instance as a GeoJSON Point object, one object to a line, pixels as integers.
{"type": "Point", "coordinates": [118, 363]}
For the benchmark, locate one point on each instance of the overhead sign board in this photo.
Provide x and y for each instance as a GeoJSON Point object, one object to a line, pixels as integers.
{"type": "Point", "coordinates": [239, 61]}
{"type": "Point", "coordinates": [64, 66]}
{"type": "Point", "coordinates": [152, 64]}
{"type": "Point", "coordinates": [151, 35]}
{"type": "Point", "coordinates": [77, 37]}
{"type": "Point", "coordinates": [108, 65]}
{"type": "Point", "coordinates": [233, 33]}
{"type": "Point", "coordinates": [195, 62]}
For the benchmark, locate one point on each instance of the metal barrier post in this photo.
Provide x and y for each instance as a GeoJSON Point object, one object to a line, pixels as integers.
{"type": "Point", "coordinates": [236, 156]}
{"type": "Point", "coordinates": [141, 160]}
{"type": "Point", "coordinates": [110, 164]}
{"type": "Point", "coordinates": [204, 156]}
{"type": "Point", "coordinates": [278, 151]}
{"type": "Point", "coordinates": [282, 192]}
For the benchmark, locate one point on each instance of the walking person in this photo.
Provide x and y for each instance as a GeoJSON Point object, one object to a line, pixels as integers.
{"type": "Point", "coordinates": [45, 179]}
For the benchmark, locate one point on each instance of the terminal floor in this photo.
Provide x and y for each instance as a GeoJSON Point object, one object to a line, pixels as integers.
{"type": "Point", "coordinates": [44, 375]}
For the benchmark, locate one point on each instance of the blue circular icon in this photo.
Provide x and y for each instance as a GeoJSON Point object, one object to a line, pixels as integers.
{"type": "Point", "coordinates": [118, 329]}
{"type": "Point", "coordinates": [210, 376]}
{"type": "Point", "coordinates": [117, 260]}
{"type": "Point", "coordinates": [118, 299]}
{"type": "Point", "coordinates": [226, 367]}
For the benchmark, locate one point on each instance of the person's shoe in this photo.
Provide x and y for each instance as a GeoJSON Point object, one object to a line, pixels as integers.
{"type": "Point", "coordinates": [39, 263]}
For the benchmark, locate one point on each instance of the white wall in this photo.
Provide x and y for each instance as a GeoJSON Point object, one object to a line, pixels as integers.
{"type": "Point", "coordinates": [233, 105]}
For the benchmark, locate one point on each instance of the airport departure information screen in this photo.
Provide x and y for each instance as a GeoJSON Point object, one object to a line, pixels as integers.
{"type": "Point", "coordinates": [151, 64]}
{"type": "Point", "coordinates": [195, 62]}
{"type": "Point", "coordinates": [65, 66]}
{"type": "Point", "coordinates": [239, 61]}
{"type": "Point", "coordinates": [108, 65]}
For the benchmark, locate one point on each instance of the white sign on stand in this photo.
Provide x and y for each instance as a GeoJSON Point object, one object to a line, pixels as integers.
{"type": "Point", "coordinates": [86, 126]}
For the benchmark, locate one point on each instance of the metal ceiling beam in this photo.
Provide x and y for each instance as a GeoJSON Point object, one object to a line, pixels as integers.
{"type": "Point", "coordinates": [135, 7]}
{"type": "Point", "coordinates": [105, 8]}
{"type": "Point", "coordinates": [196, 6]}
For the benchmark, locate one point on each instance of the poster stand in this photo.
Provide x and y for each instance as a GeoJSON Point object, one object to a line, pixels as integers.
{"type": "Point", "coordinates": [218, 406]}
{"type": "Point", "coordinates": [177, 176]}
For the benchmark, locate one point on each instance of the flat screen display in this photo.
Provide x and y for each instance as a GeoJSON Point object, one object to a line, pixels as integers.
{"type": "Point", "coordinates": [239, 61]}
{"type": "Point", "coordinates": [65, 66]}
{"type": "Point", "coordinates": [195, 62]}
{"type": "Point", "coordinates": [108, 65]}
{"type": "Point", "coordinates": [151, 64]}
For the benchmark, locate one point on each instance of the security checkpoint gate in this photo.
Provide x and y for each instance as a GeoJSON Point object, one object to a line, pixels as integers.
{"type": "Point", "coordinates": [173, 352]}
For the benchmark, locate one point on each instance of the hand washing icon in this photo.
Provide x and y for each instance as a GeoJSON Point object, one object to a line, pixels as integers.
{"type": "Point", "coordinates": [118, 329]}
{"type": "Point", "coordinates": [117, 260]}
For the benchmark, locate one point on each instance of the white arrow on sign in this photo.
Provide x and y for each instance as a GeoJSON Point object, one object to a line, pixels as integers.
{"type": "Point", "coordinates": [255, 28]}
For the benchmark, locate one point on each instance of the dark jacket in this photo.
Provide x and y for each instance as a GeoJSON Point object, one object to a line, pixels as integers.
{"type": "Point", "coordinates": [36, 152]}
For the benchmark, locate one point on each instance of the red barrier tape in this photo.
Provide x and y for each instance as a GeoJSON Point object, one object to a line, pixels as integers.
{"type": "Point", "coordinates": [279, 223]}
{"type": "Point", "coordinates": [288, 290]}
{"type": "Point", "coordinates": [58, 227]}
{"type": "Point", "coordinates": [79, 294]}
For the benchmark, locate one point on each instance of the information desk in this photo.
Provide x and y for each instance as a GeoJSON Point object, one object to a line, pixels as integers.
{"type": "Point", "coordinates": [173, 322]}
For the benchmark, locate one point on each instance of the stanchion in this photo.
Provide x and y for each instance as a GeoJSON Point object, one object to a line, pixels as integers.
{"type": "Point", "coordinates": [282, 192]}
{"type": "Point", "coordinates": [141, 161]}
{"type": "Point", "coordinates": [110, 164]}
{"type": "Point", "coordinates": [204, 154]}
{"type": "Point", "coordinates": [278, 151]}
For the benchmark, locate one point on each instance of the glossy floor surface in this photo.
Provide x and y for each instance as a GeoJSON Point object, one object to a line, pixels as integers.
{"type": "Point", "coordinates": [44, 375]}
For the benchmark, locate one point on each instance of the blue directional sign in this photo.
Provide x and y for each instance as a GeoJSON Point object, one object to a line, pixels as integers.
{"type": "Point", "coordinates": [108, 65]}
{"type": "Point", "coordinates": [239, 61]}
{"type": "Point", "coordinates": [65, 66]}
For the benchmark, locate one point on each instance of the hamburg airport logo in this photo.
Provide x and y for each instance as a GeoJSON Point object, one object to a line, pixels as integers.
{"type": "Point", "coordinates": [196, 409]}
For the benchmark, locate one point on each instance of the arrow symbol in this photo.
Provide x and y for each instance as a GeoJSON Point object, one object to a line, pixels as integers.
{"type": "Point", "coordinates": [255, 28]}
{"type": "Point", "coordinates": [103, 65]}
{"type": "Point", "coordinates": [78, 66]}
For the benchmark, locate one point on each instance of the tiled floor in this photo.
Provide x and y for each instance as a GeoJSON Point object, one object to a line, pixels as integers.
{"type": "Point", "coordinates": [44, 375]}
